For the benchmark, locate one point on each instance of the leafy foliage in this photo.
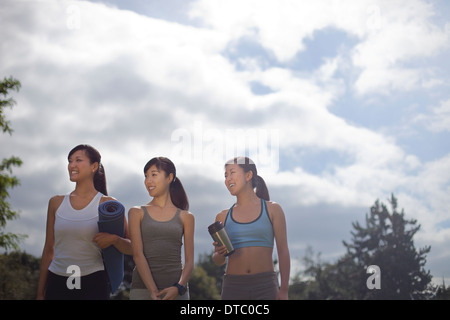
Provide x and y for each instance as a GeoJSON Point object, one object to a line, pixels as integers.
{"type": "Point", "coordinates": [7, 84]}
{"type": "Point", "coordinates": [7, 180]}
{"type": "Point", "coordinates": [19, 275]}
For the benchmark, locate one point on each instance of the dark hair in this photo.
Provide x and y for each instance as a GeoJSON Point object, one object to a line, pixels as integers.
{"type": "Point", "coordinates": [177, 193]}
{"type": "Point", "coordinates": [257, 182]}
{"type": "Point", "coordinates": [94, 156]}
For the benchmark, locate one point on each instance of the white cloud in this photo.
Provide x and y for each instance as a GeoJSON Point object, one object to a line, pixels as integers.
{"type": "Point", "coordinates": [186, 61]}
{"type": "Point", "coordinates": [390, 34]}
{"type": "Point", "coordinates": [405, 33]}
{"type": "Point", "coordinates": [280, 26]}
{"type": "Point", "coordinates": [439, 118]}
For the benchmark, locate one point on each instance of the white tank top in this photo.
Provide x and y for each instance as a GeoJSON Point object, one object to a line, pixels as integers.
{"type": "Point", "coordinates": [74, 231]}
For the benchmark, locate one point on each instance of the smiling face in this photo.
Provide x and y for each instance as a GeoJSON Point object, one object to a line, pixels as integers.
{"type": "Point", "coordinates": [156, 181]}
{"type": "Point", "coordinates": [236, 179]}
{"type": "Point", "coordinates": [80, 166]}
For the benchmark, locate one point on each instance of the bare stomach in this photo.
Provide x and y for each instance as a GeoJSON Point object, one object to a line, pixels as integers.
{"type": "Point", "coordinates": [250, 260]}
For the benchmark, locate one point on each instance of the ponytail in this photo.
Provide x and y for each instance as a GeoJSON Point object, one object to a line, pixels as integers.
{"type": "Point", "coordinates": [261, 188]}
{"type": "Point", "coordinates": [177, 193]}
{"type": "Point", "coordinates": [100, 180]}
{"type": "Point", "coordinates": [258, 183]}
{"type": "Point", "coordinates": [94, 156]}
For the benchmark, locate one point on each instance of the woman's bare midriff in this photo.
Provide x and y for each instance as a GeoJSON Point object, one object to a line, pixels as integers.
{"type": "Point", "coordinates": [250, 260]}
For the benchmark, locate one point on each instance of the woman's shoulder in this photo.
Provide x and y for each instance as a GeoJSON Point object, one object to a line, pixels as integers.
{"type": "Point", "coordinates": [53, 204]}
{"type": "Point", "coordinates": [136, 210]}
{"type": "Point", "coordinates": [274, 210]}
{"type": "Point", "coordinates": [185, 214]}
{"type": "Point", "coordinates": [273, 205]}
{"type": "Point", "coordinates": [107, 198]}
{"type": "Point", "coordinates": [58, 197]}
{"type": "Point", "coordinates": [222, 215]}
{"type": "Point", "coordinates": [56, 200]}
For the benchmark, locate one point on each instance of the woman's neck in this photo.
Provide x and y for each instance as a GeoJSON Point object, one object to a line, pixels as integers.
{"type": "Point", "coordinates": [162, 201]}
{"type": "Point", "coordinates": [246, 197]}
{"type": "Point", "coordinates": [84, 189]}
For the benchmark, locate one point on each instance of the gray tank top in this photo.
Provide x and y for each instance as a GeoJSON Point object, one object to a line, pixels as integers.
{"type": "Point", "coordinates": [162, 242]}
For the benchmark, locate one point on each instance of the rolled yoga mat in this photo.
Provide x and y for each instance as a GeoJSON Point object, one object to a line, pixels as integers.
{"type": "Point", "coordinates": [111, 219]}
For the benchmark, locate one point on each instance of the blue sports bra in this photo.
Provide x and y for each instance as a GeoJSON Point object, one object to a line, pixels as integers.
{"type": "Point", "coordinates": [257, 233]}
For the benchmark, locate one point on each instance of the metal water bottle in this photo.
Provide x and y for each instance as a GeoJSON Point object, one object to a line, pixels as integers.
{"type": "Point", "coordinates": [220, 235]}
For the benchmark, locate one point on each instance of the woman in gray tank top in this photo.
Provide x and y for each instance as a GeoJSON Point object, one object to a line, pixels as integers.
{"type": "Point", "coordinates": [156, 231]}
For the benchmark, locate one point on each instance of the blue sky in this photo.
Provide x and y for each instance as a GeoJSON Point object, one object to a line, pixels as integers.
{"type": "Point", "coordinates": [342, 103]}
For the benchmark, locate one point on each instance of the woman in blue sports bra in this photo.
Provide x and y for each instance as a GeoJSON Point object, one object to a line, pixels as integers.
{"type": "Point", "coordinates": [252, 223]}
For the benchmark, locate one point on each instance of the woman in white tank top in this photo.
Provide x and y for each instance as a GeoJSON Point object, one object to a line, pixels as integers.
{"type": "Point", "coordinates": [73, 244]}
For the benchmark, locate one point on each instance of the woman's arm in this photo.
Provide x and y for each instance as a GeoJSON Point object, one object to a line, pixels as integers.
{"type": "Point", "coordinates": [104, 239]}
{"type": "Point", "coordinates": [219, 257]}
{"type": "Point", "coordinates": [189, 227]}
{"type": "Point", "coordinates": [279, 228]}
{"type": "Point", "coordinates": [48, 251]}
{"type": "Point", "coordinates": [135, 216]}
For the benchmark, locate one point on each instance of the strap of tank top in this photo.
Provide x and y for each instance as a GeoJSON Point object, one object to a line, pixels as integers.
{"type": "Point", "coordinates": [228, 214]}
{"type": "Point", "coordinates": [265, 208]}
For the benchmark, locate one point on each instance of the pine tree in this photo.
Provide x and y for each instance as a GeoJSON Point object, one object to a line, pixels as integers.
{"type": "Point", "coordinates": [387, 242]}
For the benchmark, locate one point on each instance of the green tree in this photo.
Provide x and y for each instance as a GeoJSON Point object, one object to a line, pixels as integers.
{"type": "Point", "coordinates": [442, 292]}
{"type": "Point", "coordinates": [322, 280]}
{"type": "Point", "coordinates": [6, 85]}
{"type": "Point", "coordinates": [202, 286]}
{"type": "Point", "coordinates": [206, 279]}
{"type": "Point", "coordinates": [7, 180]}
{"type": "Point", "coordinates": [19, 275]}
{"type": "Point", "coordinates": [207, 263]}
{"type": "Point", "coordinates": [308, 284]}
{"type": "Point", "coordinates": [387, 242]}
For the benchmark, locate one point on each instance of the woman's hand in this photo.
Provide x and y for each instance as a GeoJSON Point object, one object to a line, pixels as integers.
{"type": "Point", "coordinates": [154, 295]}
{"type": "Point", "coordinates": [222, 250]}
{"type": "Point", "coordinates": [170, 293]}
{"type": "Point", "coordinates": [104, 239]}
{"type": "Point", "coordinates": [282, 295]}
{"type": "Point", "coordinates": [219, 257]}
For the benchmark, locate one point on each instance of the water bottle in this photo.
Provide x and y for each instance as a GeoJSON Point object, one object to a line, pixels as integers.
{"type": "Point", "coordinates": [220, 235]}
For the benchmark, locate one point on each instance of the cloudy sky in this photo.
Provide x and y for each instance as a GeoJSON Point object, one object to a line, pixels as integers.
{"type": "Point", "coordinates": [339, 103]}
